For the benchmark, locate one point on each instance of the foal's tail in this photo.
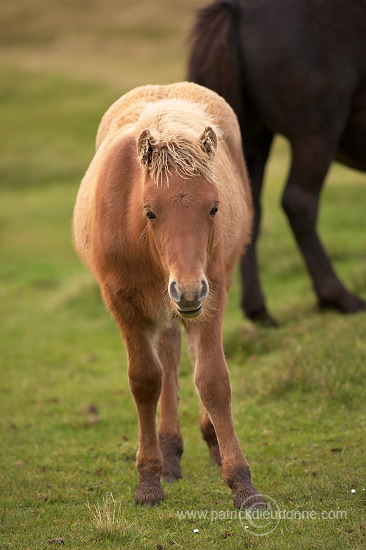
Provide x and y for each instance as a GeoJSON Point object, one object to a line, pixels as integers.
{"type": "Point", "coordinates": [215, 60]}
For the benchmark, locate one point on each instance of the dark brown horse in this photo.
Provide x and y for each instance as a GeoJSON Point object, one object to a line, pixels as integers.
{"type": "Point", "coordinates": [297, 68]}
{"type": "Point", "coordinates": [162, 216]}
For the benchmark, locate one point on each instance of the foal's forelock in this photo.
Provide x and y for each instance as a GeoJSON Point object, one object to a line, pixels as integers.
{"type": "Point", "coordinates": [184, 157]}
{"type": "Point", "coordinates": [187, 153]}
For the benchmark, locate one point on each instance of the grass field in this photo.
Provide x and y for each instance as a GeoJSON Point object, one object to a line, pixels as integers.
{"type": "Point", "coordinates": [68, 422]}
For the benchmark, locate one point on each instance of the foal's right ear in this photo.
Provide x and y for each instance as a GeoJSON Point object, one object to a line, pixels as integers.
{"type": "Point", "coordinates": [209, 141]}
{"type": "Point", "coordinates": [145, 146]}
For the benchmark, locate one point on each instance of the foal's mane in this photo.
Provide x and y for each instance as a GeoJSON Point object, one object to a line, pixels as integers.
{"type": "Point", "coordinates": [175, 128]}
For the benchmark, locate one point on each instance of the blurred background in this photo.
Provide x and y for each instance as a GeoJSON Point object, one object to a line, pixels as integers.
{"type": "Point", "coordinates": [62, 63]}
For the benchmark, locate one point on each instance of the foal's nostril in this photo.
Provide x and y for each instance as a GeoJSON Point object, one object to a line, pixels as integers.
{"type": "Point", "coordinates": [173, 291]}
{"type": "Point", "coordinates": [203, 291]}
{"type": "Point", "coordinates": [188, 295]}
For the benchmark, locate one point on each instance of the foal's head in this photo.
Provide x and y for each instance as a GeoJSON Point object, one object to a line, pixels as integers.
{"type": "Point", "coordinates": [180, 202]}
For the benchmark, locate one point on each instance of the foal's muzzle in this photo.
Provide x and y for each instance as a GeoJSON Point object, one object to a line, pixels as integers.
{"type": "Point", "coordinates": [188, 296]}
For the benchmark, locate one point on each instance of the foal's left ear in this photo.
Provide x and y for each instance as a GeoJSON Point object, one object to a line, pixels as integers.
{"type": "Point", "coordinates": [145, 145]}
{"type": "Point", "coordinates": [209, 141]}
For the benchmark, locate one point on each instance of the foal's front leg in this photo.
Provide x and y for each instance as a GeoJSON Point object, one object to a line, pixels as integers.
{"type": "Point", "coordinates": [213, 384]}
{"type": "Point", "coordinates": [145, 377]}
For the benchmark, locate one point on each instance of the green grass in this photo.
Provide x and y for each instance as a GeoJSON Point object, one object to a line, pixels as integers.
{"type": "Point", "coordinates": [68, 422]}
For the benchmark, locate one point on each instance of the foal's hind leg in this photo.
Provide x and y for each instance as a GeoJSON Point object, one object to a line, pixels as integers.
{"type": "Point", "coordinates": [171, 443]}
{"type": "Point", "coordinates": [209, 435]}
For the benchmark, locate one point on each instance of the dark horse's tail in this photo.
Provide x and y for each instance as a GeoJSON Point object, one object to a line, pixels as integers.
{"type": "Point", "coordinates": [215, 60]}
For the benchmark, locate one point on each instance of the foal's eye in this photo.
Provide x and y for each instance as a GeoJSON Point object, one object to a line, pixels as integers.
{"type": "Point", "coordinates": [214, 210]}
{"type": "Point", "coordinates": [150, 215]}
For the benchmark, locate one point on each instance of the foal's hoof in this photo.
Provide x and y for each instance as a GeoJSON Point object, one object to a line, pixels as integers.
{"type": "Point", "coordinates": [254, 501]}
{"type": "Point", "coordinates": [172, 449]}
{"type": "Point", "coordinates": [171, 469]}
{"type": "Point", "coordinates": [149, 493]}
{"type": "Point", "coordinates": [245, 494]}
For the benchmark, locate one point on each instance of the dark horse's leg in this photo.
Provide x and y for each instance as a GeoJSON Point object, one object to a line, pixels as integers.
{"type": "Point", "coordinates": [310, 161]}
{"type": "Point", "coordinates": [171, 443]}
{"type": "Point", "coordinates": [145, 376]}
{"type": "Point", "coordinates": [256, 149]}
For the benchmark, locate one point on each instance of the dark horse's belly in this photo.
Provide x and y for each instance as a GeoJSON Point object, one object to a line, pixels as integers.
{"type": "Point", "coordinates": [352, 145]}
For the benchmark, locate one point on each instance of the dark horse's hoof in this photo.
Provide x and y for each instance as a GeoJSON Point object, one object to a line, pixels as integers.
{"type": "Point", "coordinates": [149, 493]}
{"type": "Point", "coordinates": [262, 318]}
{"type": "Point", "coordinates": [349, 303]}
